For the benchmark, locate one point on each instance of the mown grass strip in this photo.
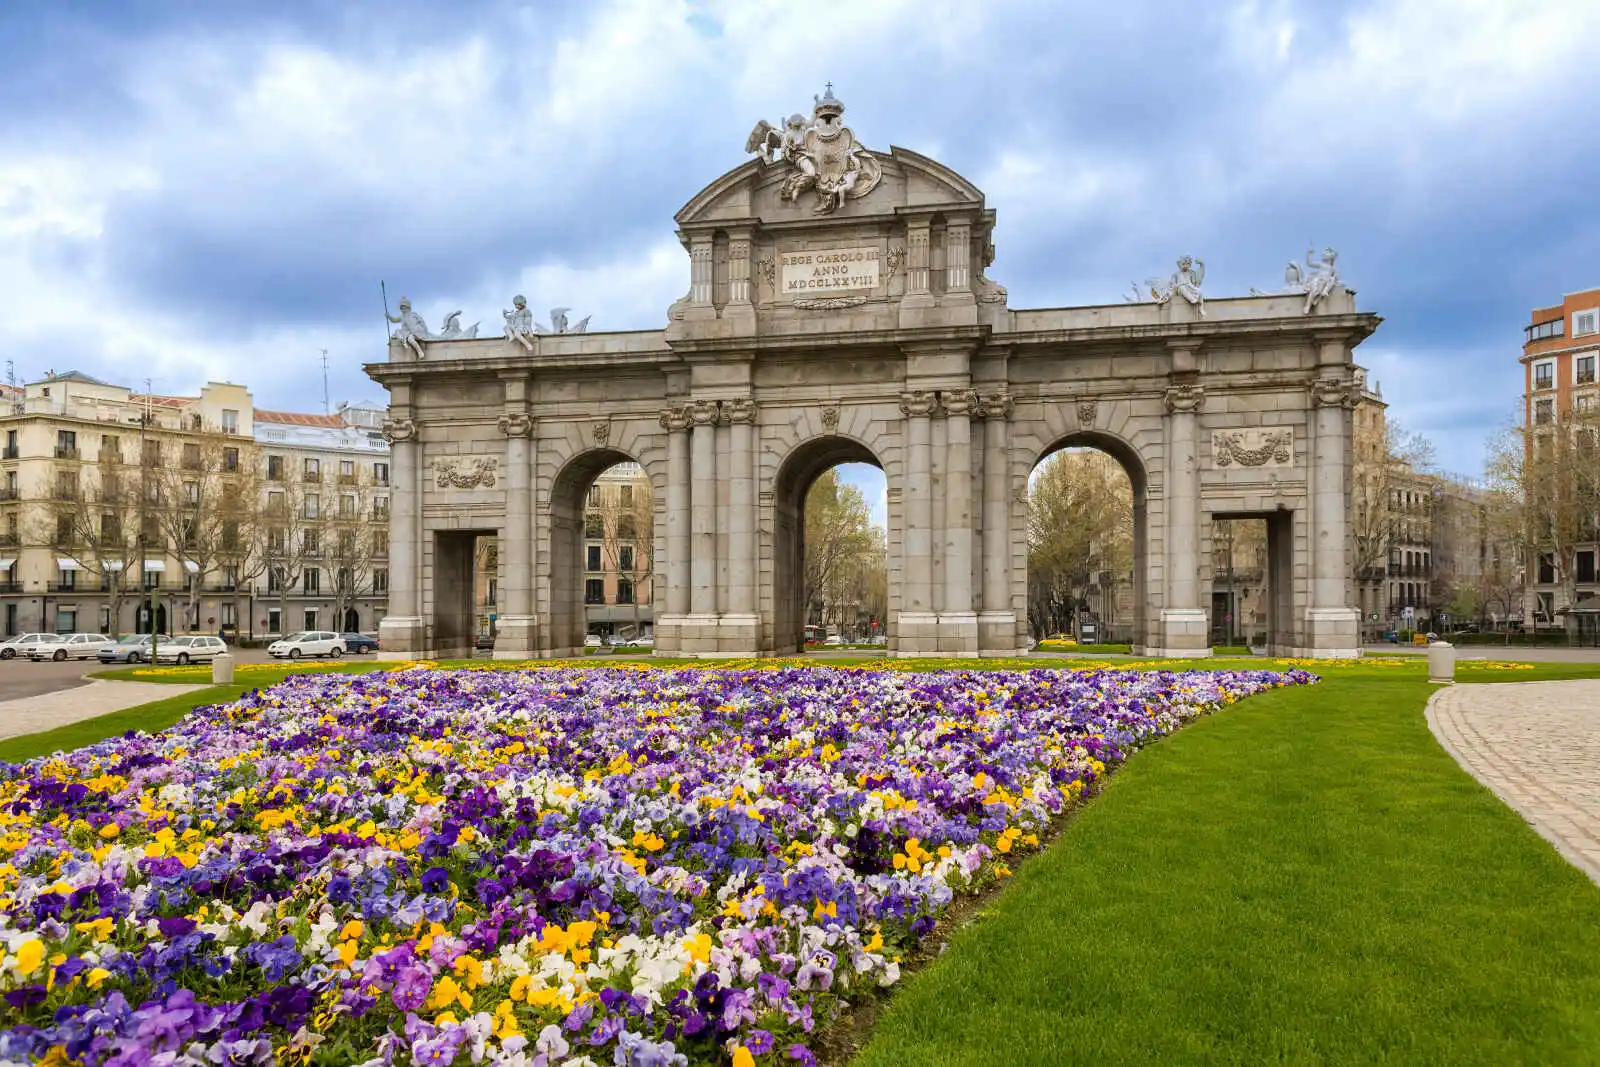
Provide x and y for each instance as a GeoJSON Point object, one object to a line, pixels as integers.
{"type": "Point", "coordinates": [1305, 878]}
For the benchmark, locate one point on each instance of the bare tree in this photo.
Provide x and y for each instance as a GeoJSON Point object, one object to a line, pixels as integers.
{"type": "Point", "coordinates": [292, 526]}
{"type": "Point", "coordinates": [1385, 459]}
{"type": "Point", "coordinates": [1552, 473]}
{"type": "Point", "coordinates": [348, 546]}
{"type": "Point", "coordinates": [627, 526]}
{"type": "Point", "coordinates": [207, 496]}
{"type": "Point", "coordinates": [839, 539]}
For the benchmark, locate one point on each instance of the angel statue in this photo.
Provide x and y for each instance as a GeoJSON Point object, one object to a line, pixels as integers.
{"type": "Point", "coordinates": [774, 144]}
{"type": "Point", "coordinates": [1323, 279]}
{"type": "Point", "coordinates": [558, 323]}
{"type": "Point", "coordinates": [519, 322]}
{"type": "Point", "coordinates": [1186, 282]}
{"type": "Point", "coordinates": [413, 331]}
{"type": "Point", "coordinates": [452, 328]}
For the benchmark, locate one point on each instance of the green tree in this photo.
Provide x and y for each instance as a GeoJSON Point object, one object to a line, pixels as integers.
{"type": "Point", "coordinates": [845, 554]}
{"type": "Point", "coordinates": [1080, 536]}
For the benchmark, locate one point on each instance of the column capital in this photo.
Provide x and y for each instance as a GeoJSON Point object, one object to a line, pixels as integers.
{"type": "Point", "coordinates": [918, 404]}
{"type": "Point", "coordinates": [1334, 391]}
{"type": "Point", "coordinates": [995, 405]}
{"type": "Point", "coordinates": [959, 402]}
{"type": "Point", "coordinates": [398, 430]}
{"type": "Point", "coordinates": [1185, 399]}
{"type": "Point", "coordinates": [515, 424]}
{"type": "Point", "coordinates": [675, 418]}
{"type": "Point", "coordinates": [740, 409]}
{"type": "Point", "coordinates": [704, 412]}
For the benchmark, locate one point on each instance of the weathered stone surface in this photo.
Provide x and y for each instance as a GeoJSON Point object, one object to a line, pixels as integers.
{"type": "Point", "coordinates": [756, 385]}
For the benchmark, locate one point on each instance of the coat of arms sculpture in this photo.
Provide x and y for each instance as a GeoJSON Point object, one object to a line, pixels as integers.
{"type": "Point", "coordinates": [825, 155]}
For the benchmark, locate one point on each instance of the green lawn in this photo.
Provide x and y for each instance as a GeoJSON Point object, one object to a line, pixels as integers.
{"type": "Point", "coordinates": [1304, 878]}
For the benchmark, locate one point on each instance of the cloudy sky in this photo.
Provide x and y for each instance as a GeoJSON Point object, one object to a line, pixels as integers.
{"type": "Point", "coordinates": [193, 191]}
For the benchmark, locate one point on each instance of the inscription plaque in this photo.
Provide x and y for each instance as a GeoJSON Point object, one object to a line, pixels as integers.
{"type": "Point", "coordinates": [828, 270]}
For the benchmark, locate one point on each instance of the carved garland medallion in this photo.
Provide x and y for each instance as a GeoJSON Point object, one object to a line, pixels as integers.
{"type": "Point", "coordinates": [1253, 448]}
{"type": "Point", "coordinates": [830, 418]}
{"type": "Point", "coordinates": [1088, 407]}
{"type": "Point", "coordinates": [835, 303]}
{"type": "Point", "coordinates": [600, 430]}
{"type": "Point", "coordinates": [396, 430]}
{"type": "Point", "coordinates": [473, 474]}
{"type": "Point", "coordinates": [516, 424]}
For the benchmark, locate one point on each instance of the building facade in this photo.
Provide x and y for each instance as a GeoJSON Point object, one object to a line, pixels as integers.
{"type": "Point", "coordinates": [120, 508]}
{"type": "Point", "coordinates": [1561, 412]}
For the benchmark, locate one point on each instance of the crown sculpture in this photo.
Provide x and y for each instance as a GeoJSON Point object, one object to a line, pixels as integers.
{"type": "Point", "coordinates": [824, 155]}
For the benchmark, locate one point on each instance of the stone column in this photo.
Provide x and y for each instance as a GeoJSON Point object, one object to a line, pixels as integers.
{"type": "Point", "coordinates": [700, 631]}
{"type": "Point", "coordinates": [1183, 622]}
{"type": "Point", "coordinates": [958, 623]}
{"type": "Point", "coordinates": [997, 624]}
{"type": "Point", "coordinates": [516, 635]}
{"type": "Point", "coordinates": [676, 572]}
{"type": "Point", "coordinates": [740, 626]}
{"type": "Point", "coordinates": [917, 630]}
{"type": "Point", "coordinates": [402, 632]}
{"type": "Point", "coordinates": [1332, 626]}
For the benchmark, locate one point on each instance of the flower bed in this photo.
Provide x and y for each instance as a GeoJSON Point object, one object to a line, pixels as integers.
{"type": "Point", "coordinates": [534, 867]}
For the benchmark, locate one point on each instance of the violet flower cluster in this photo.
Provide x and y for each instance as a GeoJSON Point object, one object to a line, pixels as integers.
{"type": "Point", "coordinates": [581, 867]}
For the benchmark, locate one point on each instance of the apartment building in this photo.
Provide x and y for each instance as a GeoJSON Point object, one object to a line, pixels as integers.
{"type": "Point", "coordinates": [120, 508]}
{"type": "Point", "coordinates": [618, 538]}
{"type": "Point", "coordinates": [1561, 392]}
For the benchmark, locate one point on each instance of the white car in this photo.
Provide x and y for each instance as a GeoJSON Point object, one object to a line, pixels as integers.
{"type": "Point", "coordinates": [69, 646]}
{"type": "Point", "coordinates": [307, 643]}
{"type": "Point", "coordinates": [12, 647]}
{"type": "Point", "coordinates": [189, 649]}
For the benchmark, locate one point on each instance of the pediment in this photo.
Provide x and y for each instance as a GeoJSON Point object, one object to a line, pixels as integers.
{"type": "Point", "coordinates": [752, 193]}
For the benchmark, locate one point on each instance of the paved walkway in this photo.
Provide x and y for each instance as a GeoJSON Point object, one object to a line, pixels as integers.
{"type": "Point", "coordinates": [1537, 745]}
{"type": "Point", "coordinates": [30, 715]}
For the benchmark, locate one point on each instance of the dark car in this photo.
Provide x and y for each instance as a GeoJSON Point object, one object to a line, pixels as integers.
{"type": "Point", "coordinates": [354, 643]}
{"type": "Point", "coordinates": [484, 643]}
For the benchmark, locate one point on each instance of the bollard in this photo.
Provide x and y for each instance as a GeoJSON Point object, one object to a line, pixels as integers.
{"type": "Point", "coordinates": [1442, 663]}
{"type": "Point", "coordinates": [222, 668]}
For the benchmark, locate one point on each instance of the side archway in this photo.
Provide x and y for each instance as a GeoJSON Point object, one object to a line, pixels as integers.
{"type": "Point", "coordinates": [1132, 465]}
{"type": "Point", "coordinates": [797, 473]}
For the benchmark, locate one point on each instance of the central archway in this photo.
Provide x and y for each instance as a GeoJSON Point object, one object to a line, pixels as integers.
{"type": "Point", "coordinates": [601, 542]}
{"type": "Point", "coordinates": [798, 473]}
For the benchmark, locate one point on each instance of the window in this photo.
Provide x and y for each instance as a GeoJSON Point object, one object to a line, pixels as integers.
{"type": "Point", "coordinates": [274, 621]}
{"type": "Point", "coordinates": [274, 468]}
{"type": "Point", "coordinates": [229, 615]}
{"type": "Point", "coordinates": [492, 590]}
{"type": "Point", "coordinates": [343, 579]}
{"type": "Point", "coordinates": [594, 591]}
{"type": "Point", "coordinates": [195, 423]}
{"type": "Point", "coordinates": [311, 580]}
{"type": "Point", "coordinates": [312, 541]}
{"type": "Point", "coordinates": [152, 492]}
{"type": "Point", "coordinates": [66, 620]}
{"type": "Point", "coordinates": [230, 421]}
{"type": "Point", "coordinates": [152, 579]}
{"type": "Point", "coordinates": [69, 578]}
{"type": "Point", "coordinates": [191, 456]}
{"type": "Point", "coordinates": [1547, 568]}
{"type": "Point", "coordinates": [66, 444]}
{"type": "Point", "coordinates": [11, 444]}
{"type": "Point", "coordinates": [347, 471]}
{"type": "Point", "coordinates": [313, 508]}
{"type": "Point", "coordinates": [110, 448]}
{"type": "Point", "coordinates": [1585, 322]}
{"type": "Point", "coordinates": [592, 560]}
{"type": "Point", "coordinates": [230, 536]}
{"type": "Point", "coordinates": [152, 453]}
{"type": "Point", "coordinates": [380, 544]}
{"type": "Point", "coordinates": [1543, 412]}
{"type": "Point", "coordinates": [347, 506]}
{"type": "Point", "coordinates": [594, 525]}
{"type": "Point", "coordinates": [276, 581]}
{"type": "Point", "coordinates": [380, 473]}
{"type": "Point", "coordinates": [110, 528]}
{"type": "Point", "coordinates": [1539, 331]}
{"type": "Point", "coordinates": [625, 558]}
{"type": "Point", "coordinates": [66, 485]}
{"type": "Point", "coordinates": [191, 492]}
{"type": "Point", "coordinates": [624, 591]}
{"type": "Point", "coordinates": [347, 544]}
{"type": "Point", "coordinates": [230, 576]}
{"type": "Point", "coordinates": [1583, 369]}
{"type": "Point", "coordinates": [626, 496]}
{"type": "Point", "coordinates": [594, 496]}
{"type": "Point", "coordinates": [230, 460]}
{"type": "Point", "coordinates": [380, 581]}
{"type": "Point", "coordinates": [1544, 375]}
{"type": "Point", "coordinates": [311, 619]}
{"type": "Point", "coordinates": [313, 470]}
{"type": "Point", "coordinates": [380, 509]}
{"type": "Point", "coordinates": [1585, 567]}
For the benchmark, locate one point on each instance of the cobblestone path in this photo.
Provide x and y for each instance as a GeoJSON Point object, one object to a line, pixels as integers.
{"type": "Point", "coordinates": [1537, 745]}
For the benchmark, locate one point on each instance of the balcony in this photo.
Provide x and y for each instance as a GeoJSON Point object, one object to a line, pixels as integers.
{"type": "Point", "coordinates": [11, 452]}
{"type": "Point", "coordinates": [67, 587]}
{"type": "Point", "coordinates": [225, 587]}
{"type": "Point", "coordinates": [9, 492]}
{"type": "Point", "coordinates": [311, 479]}
{"type": "Point", "coordinates": [347, 479]}
{"type": "Point", "coordinates": [10, 587]}
{"type": "Point", "coordinates": [66, 452]}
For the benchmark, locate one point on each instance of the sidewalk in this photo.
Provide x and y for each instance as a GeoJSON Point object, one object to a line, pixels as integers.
{"type": "Point", "coordinates": [30, 715]}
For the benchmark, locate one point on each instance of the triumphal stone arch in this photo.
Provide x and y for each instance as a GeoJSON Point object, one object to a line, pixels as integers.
{"type": "Point", "coordinates": [839, 309]}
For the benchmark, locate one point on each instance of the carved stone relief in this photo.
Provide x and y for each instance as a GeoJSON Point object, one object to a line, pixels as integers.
{"type": "Point", "coordinates": [516, 424]}
{"type": "Point", "coordinates": [397, 430]}
{"type": "Point", "coordinates": [830, 418]}
{"type": "Point", "coordinates": [1253, 448]}
{"type": "Point", "coordinates": [468, 474]}
{"type": "Point", "coordinates": [1088, 408]}
{"type": "Point", "coordinates": [918, 404]}
{"type": "Point", "coordinates": [834, 303]}
{"type": "Point", "coordinates": [600, 430]}
{"type": "Point", "coordinates": [1185, 398]}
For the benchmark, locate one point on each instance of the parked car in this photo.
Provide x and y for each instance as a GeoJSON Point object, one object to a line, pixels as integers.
{"type": "Point", "coordinates": [484, 643]}
{"type": "Point", "coordinates": [307, 643]}
{"type": "Point", "coordinates": [12, 647]}
{"type": "Point", "coordinates": [189, 649]}
{"type": "Point", "coordinates": [69, 646]}
{"type": "Point", "coordinates": [592, 641]}
{"type": "Point", "coordinates": [354, 643]}
{"type": "Point", "coordinates": [134, 648]}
